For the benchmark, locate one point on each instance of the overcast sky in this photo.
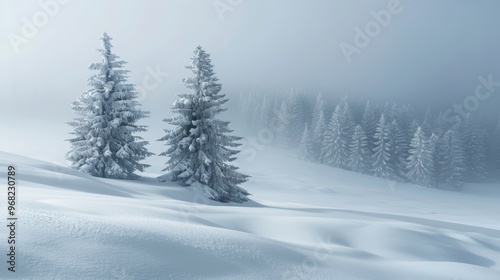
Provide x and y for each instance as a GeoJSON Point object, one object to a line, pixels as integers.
{"type": "Point", "coordinates": [430, 53]}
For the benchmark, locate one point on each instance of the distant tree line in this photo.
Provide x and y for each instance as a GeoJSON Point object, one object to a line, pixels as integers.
{"type": "Point", "coordinates": [387, 141]}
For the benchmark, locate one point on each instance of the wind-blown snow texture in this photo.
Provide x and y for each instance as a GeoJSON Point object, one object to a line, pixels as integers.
{"type": "Point", "coordinates": [307, 221]}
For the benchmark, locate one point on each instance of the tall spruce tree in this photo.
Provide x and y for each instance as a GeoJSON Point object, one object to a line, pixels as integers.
{"type": "Point", "coordinates": [369, 124]}
{"type": "Point", "coordinates": [200, 147]}
{"type": "Point", "coordinates": [319, 108]}
{"type": "Point", "coordinates": [420, 164]}
{"type": "Point", "coordinates": [397, 138]}
{"type": "Point", "coordinates": [318, 135]}
{"type": "Point", "coordinates": [335, 150]}
{"type": "Point", "coordinates": [434, 147]}
{"type": "Point", "coordinates": [451, 161]}
{"type": "Point", "coordinates": [105, 143]}
{"type": "Point", "coordinates": [381, 161]}
{"type": "Point", "coordinates": [347, 125]}
{"type": "Point", "coordinates": [359, 157]}
{"type": "Point", "coordinates": [408, 127]}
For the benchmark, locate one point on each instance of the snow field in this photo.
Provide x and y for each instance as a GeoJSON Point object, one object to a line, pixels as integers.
{"type": "Point", "coordinates": [306, 221]}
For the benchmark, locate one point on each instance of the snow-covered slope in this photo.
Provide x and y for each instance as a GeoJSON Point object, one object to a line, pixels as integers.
{"type": "Point", "coordinates": [307, 221]}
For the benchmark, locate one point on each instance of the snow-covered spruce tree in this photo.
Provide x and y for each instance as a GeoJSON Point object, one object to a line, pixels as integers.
{"type": "Point", "coordinates": [318, 135]}
{"type": "Point", "coordinates": [381, 161]}
{"type": "Point", "coordinates": [397, 138]}
{"type": "Point", "coordinates": [200, 147]}
{"type": "Point", "coordinates": [369, 124]}
{"type": "Point", "coordinates": [401, 131]}
{"type": "Point", "coordinates": [406, 118]}
{"type": "Point", "coordinates": [420, 164]}
{"type": "Point", "coordinates": [335, 151]}
{"type": "Point", "coordinates": [451, 161]}
{"type": "Point", "coordinates": [306, 146]}
{"type": "Point", "coordinates": [359, 158]}
{"type": "Point", "coordinates": [105, 144]}
{"type": "Point", "coordinates": [319, 108]}
{"type": "Point", "coordinates": [434, 147]}
{"type": "Point", "coordinates": [414, 125]}
{"type": "Point", "coordinates": [347, 127]}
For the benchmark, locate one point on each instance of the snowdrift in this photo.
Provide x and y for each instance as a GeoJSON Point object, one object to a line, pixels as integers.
{"type": "Point", "coordinates": [306, 221]}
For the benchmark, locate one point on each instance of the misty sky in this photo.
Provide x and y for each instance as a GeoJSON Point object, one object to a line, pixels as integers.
{"type": "Point", "coordinates": [431, 53]}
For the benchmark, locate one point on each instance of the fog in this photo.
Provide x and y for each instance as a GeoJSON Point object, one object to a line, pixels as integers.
{"type": "Point", "coordinates": [428, 54]}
